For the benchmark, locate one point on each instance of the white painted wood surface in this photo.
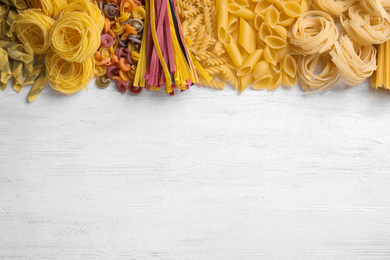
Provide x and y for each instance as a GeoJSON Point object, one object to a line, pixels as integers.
{"type": "Point", "coordinates": [202, 175]}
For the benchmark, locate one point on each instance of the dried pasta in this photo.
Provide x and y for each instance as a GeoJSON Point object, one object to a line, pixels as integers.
{"type": "Point", "coordinates": [211, 44]}
{"type": "Point", "coordinates": [88, 8]}
{"type": "Point", "coordinates": [313, 80]}
{"type": "Point", "coordinates": [68, 77]}
{"type": "Point", "coordinates": [354, 61]}
{"type": "Point", "coordinates": [366, 28]}
{"type": "Point", "coordinates": [314, 32]}
{"type": "Point", "coordinates": [32, 27]}
{"type": "Point", "coordinates": [75, 37]}
{"type": "Point", "coordinates": [50, 8]}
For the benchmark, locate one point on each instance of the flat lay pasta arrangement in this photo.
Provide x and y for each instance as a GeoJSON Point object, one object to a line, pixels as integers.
{"type": "Point", "coordinates": [175, 44]}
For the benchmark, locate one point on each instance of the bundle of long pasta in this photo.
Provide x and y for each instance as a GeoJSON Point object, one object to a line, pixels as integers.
{"type": "Point", "coordinates": [381, 77]}
{"type": "Point", "coordinates": [164, 58]}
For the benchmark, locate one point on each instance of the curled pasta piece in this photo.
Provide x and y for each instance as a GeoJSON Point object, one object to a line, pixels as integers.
{"type": "Point", "coordinates": [68, 77]}
{"type": "Point", "coordinates": [262, 83]}
{"type": "Point", "coordinates": [285, 20]}
{"type": "Point", "coordinates": [264, 31]}
{"type": "Point", "coordinates": [365, 28]}
{"type": "Point", "coordinates": [289, 66]}
{"type": "Point", "coordinates": [292, 9]}
{"type": "Point", "coordinates": [314, 32]}
{"type": "Point", "coordinates": [311, 78]}
{"type": "Point", "coordinates": [262, 7]}
{"type": "Point", "coordinates": [241, 11]}
{"type": "Point", "coordinates": [275, 42]}
{"type": "Point", "coordinates": [288, 80]}
{"type": "Point", "coordinates": [260, 69]}
{"type": "Point", "coordinates": [271, 16]}
{"type": "Point", "coordinates": [270, 55]}
{"type": "Point", "coordinates": [276, 81]}
{"type": "Point", "coordinates": [32, 27]}
{"type": "Point", "coordinates": [355, 62]}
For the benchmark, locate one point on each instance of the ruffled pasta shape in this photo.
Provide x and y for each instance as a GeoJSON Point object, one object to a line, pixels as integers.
{"type": "Point", "coordinates": [32, 28]}
{"type": "Point", "coordinates": [314, 32]}
{"type": "Point", "coordinates": [355, 62]}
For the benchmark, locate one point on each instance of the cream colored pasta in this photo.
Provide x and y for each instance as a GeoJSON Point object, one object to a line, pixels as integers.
{"type": "Point", "coordinates": [332, 7]}
{"type": "Point", "coordinates": [310, 79]}
{"type": "Point", "coordinates": [366, 28]}
{"type": "Point", "coordinates": [314, 32]}
{"type": "Point", "coordinates": [355, 62]}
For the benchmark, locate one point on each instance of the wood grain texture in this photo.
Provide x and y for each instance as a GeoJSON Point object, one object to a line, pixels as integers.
{"type": "Point", "coordinates": [202, 175]}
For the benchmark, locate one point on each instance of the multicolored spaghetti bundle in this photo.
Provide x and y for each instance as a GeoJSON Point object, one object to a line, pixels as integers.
{"type": "Point", "coordinates": [164, 57]}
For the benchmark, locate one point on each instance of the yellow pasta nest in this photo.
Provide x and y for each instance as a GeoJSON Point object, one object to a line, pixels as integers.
{"type": "Point", "coordinates": [75, 37]}
{"type": "Point", "coordinates": [88, 8]}
{"type": "Point", "coordinates": [68, 77]}
{"type": "Point", "coordinates": [32, 27]}
{"type": "Point", "coordinates": [49, 7]}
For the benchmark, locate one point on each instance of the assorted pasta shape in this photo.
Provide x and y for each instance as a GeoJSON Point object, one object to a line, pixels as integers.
{"type": "Point", "coordinates": [176, 44]}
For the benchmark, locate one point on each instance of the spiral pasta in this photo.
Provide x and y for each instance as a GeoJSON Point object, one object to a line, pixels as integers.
{"type": "Point", "coordinates": [68, 77]}
{"type": "Point", "coordinates": [49, 7]}
{"type": "Point", "coordinates": [32, 27]}
{"type": "Point", "coordinates": [75, 37]}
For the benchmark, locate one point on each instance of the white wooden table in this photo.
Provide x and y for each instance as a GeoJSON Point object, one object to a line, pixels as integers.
{"type": "Point", "coordinates": [202, 175]}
